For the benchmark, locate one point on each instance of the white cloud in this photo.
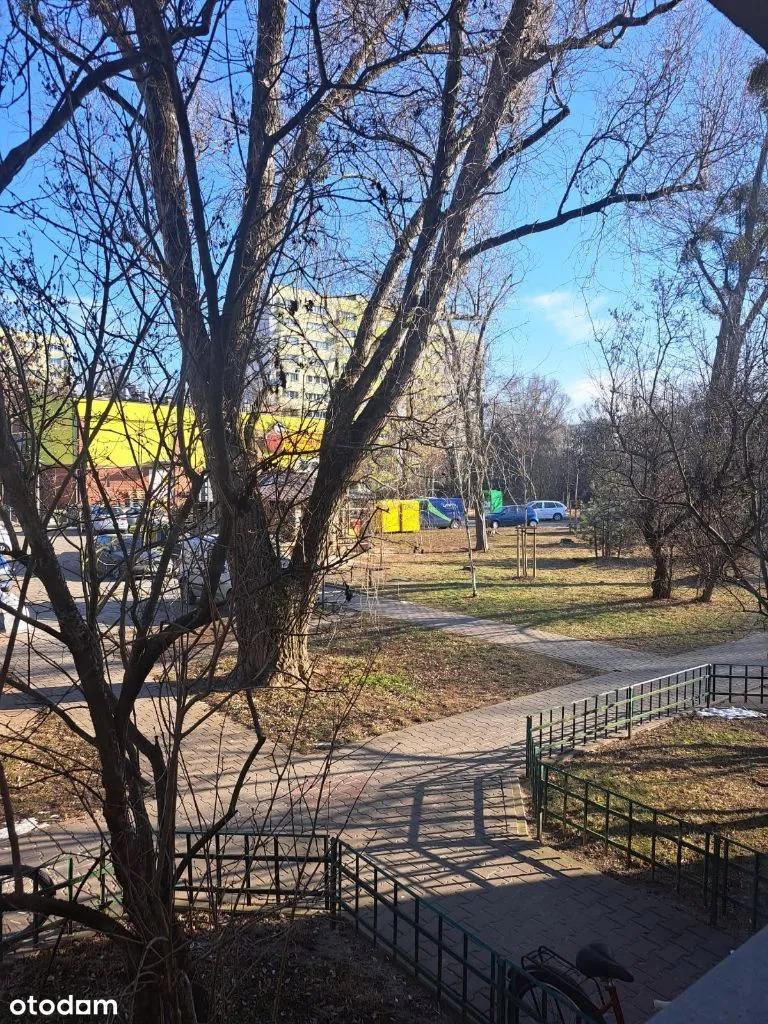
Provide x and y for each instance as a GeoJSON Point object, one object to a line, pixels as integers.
{"type": "Point", "coordinates": [584, 390]}
{"type": "Point", "coordinates": [568, 315]}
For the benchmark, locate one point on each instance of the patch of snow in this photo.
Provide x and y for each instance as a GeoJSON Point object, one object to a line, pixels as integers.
{"type": "Point", "coordinates": [22, 827]}
{"type": "Point", "coordinates": [729, 713]}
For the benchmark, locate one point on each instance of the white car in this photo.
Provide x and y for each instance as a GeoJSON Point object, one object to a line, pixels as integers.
{"type": "Point", "coordinates": [107, 521]}
{"type": "Point", "coordinates": [6, 575]}
{"type": "Point", "coordinates": [191, 568]}
{"type": "Point", "coordinates": [555, 510]}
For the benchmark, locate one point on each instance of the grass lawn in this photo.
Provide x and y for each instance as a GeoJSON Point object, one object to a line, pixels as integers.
{"type": "Point", "coordinates": [573, 594]}
{"type": "Point", "coordinates": [49, 769]}
{"type": "Point", "coordinates": [371, 677]}
{"type": "Point", "coordinates": [707, 771]}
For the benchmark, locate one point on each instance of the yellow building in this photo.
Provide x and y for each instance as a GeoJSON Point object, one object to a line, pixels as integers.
{"type": "Point", "coordinates": [121, 434]}
{"type": "Point", "coordinates": [313, 335]}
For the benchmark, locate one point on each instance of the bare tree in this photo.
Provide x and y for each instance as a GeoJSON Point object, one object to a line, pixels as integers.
{"type": "Point", "coordinates": [645, 406]}
{"type": "Point", "coordinates": [466, 343]}
{"type": "Point", "coordinates": [314, 121]}
{"type": "Point", "coordinates": [674, 395]}
{"type": "Point", "coordinates": [98, 627]}
{"type": "Point", "coordinates": [725, 255]}
{"type": "Point", "coordinates": [530, 430]}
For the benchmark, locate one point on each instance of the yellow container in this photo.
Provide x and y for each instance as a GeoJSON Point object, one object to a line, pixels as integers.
{"type": "Point", "coordinates": [398, 517]}
{"type": "Point", "coordinates": [409, 516]}
{"type": "Point", "coordinates": [389, 517]}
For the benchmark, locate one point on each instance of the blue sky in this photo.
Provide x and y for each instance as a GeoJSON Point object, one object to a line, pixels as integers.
{"type": "Point", "coordinates": [572, 283]}
{"type": "Point", "coordinates": [569, 286]}
{"type": "Point", "coordinates": [548, 324]}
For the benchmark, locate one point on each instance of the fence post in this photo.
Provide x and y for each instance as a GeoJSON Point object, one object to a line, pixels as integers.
{"type": "Point", "coordinates": [630, 823]}
{"type": "Point", "coordinates": [331, 879]}
{"type": "Point", "coordinates": [70, 892]}
{"type": "Point", "coordinates": [755, 891]}
{"type": "Point", "coordinates": [629, 713]}
{"type": "Point", "coordinates": [542, 771]}
{"type": "Point", "coordinates": [501, 991]}
{"type": "Point", "coordinates": [528, 743]}
{"type": "Point", "coordinates": [715, 879]}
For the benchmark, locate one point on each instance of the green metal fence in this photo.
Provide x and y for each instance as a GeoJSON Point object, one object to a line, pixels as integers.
{"type": "Point", "coordinates": [87, 880]}
{"type": "Point", "coordinates": [742, 684]}
{"type": "Point", "coordinates": [237, 870]}
{"type": "Point", "coordinates": [465, 973]}
{"type": "Point", "coordinates": [562, 729]}
{"type": "Point", "coordinates": [241, 870]}
{"type": "Point", "coordinates": [727, 877]}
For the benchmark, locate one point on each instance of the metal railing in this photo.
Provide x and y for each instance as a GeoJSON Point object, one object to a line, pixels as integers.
{"type": "Point", "coordinates": [464, 972]}
{"type": "Point", "coordinates": [560, 730]}
{"type": "Point", "coordinates": [239, 870]}
{"type": "Point", "coordinates": [236, 869]}
{"type": "Point", "coordinates": [747, 684]}
{"type": "Point", "coordinates": [729, 878]}
{"type": "Point", "coordinates": [63, 878]}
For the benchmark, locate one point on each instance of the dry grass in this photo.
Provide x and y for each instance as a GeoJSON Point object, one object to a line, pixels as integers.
{"type": "Point", "coordinates": [709, 772]}
{"type": "Point", "coordinates": [573, 594]}
{"type": "Point", "coordinates": [370, 678]}
{"type": "Point", "coordinates": [50, 770]}
{"type": "Point", "coordinates": [265, 971]}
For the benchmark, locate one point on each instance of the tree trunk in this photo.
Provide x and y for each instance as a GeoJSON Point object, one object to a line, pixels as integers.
{"type": "Point", "coordinates": [272, 618]}
{"type": "Point", "coordinates": [481, 532]}
{"type": "Point", "coordinates": [164, 992]}
{"type": "Point", "coordinates": [711, 575]}
{"type": "Point", "coordinates": [271, 606]}
{"type": "Point", "coordinates": [661, 586]}
{"type": "Point", "coordinates": [481, 527]}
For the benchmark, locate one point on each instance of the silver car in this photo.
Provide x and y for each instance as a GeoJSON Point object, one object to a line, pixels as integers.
{"type": "Point", "coordinates": [106, 520]}
{"type": "Point", "coordinates": [554, 510]}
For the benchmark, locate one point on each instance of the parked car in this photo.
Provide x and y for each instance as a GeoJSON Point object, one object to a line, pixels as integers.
{"type": "Point", "coordinates": [7, 576]}
{"type": "Point", "coordinates": [69, 515]}
{"type": "Point", "coordinates": [513, 515]}
{"type": "Point", "coordinates": [191, 570]}
{"type": "Point", "coordinates": [191, 567]}
{"type": "Point", "coordinates": [10, 598]}
{"type": "Point", "coordinates": [441, 513]}
{"type": "Point", "coordinates": [113, 559]}
{"type": "Point", "coordinates": [132, 513]}
{"type": "Point", "coordinates": [555, 510]}
{"type": "Point", "coordinates": [107, 520]}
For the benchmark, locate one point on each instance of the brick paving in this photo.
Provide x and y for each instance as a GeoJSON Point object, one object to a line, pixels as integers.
{"type": "Point", "coordinates": [589, 653]}
{"type": "Point", "coordinates": [440, 805]}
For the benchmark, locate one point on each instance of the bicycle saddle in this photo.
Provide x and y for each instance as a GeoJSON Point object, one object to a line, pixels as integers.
{"type": "Point", "coordinates": [596, 961]}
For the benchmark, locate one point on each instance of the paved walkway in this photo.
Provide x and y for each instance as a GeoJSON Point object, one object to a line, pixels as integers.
{"type": "Point", "coordinates": [438, 804]}
{"type": "Point", "coordinates": [589, 653]}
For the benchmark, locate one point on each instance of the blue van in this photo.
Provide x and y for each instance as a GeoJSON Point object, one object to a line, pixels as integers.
{"type": "Point", "coordinates": [441, 513]}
